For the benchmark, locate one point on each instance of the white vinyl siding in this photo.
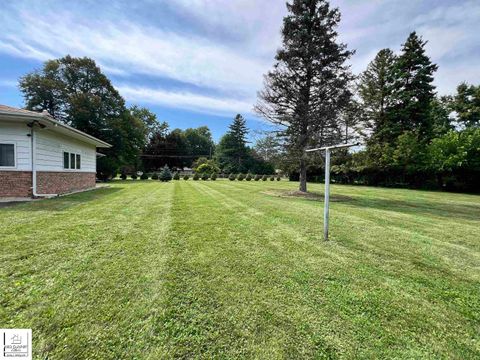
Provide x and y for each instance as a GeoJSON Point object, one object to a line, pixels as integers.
{"type": "Point", "coordinates": [17, 134]}
{"type": "Point", "coordinates": [51, 148]}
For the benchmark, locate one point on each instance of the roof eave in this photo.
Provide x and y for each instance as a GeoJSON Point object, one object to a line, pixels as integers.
{"type": "Point", "coordinates": [49, 120]}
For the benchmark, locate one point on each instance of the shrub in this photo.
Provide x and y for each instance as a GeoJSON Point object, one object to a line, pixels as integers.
{"type": "Point", "coordinates": [176, 176]}
{"type": "Point", "coordinates": [249, 177]}
{"type": "Point", "coordinates": [144, 176]}
{"type": "Point", "coordinates": [278, 177]}
{"type": "Point", "coordinates": [123, 176]}
{"type": "Point", "coordinates": [231, 177]}
{"type": "Point", "coordinates": [207, 167]}
{"type": "Point", "coordinates": [134, 177]}
{"type": "Point", "coordinates": [264, 178]}
{"type": "Point", "coordinates": [213, 176]}
{"type": "Point", "coordinates": [165, 175]}
{"type": "Point", "coordinates": [257, 177]}
{"type": "Point", "coordinates": [240, 177]}
{"type": "Point", "coordinates": [155, 176]}
{"type": "Point", "coordinates": [272, 178]}
{"type": "Point", "coordinates": [196, 177]}
{"type": "Point", "coordinates": [186, 177]}
{"type": "Point", "coordinates": [205, 177]}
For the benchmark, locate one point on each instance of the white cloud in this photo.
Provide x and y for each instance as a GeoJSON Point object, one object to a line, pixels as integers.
{"type": "Point", "coordinates": [226, 46]}
{"type": "Point", "coordinates": [123, 47]}
{"type": "Point", "coordinates": [186, 100]}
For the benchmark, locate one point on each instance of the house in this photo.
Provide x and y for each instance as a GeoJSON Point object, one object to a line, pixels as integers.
{"type": "Point", "coordinates": [40, 156]}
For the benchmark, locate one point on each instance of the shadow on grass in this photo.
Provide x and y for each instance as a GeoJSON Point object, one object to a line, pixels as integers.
{"type": "Point", "coordinates": [63, 202]}
{"type": "Point", "coordinates": [439, 209]}
{"type": "Point", "coordinates": [411, 207]}
{"type": "Point", "coordinates": [311, 195]}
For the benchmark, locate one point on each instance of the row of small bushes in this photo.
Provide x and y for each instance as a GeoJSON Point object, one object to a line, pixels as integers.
{"type": "Point", "coordinates": [231, 177]}
{"type": "Point", "coordinates": [176, 176]}
{"type": "Point", "coordinates": [250, 177]}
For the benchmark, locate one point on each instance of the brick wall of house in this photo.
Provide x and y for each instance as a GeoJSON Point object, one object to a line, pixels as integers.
{"type": "Point", "coordinates": [15, 183]}
{"type": "Point", "coordinates": [64, 182]}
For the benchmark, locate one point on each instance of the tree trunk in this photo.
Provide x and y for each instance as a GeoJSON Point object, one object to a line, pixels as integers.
{"type": "Point", "coordinates": [303, 176]}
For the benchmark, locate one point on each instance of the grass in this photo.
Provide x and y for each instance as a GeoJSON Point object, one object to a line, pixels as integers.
{"type": "Point", "coordinates": [150, 270]}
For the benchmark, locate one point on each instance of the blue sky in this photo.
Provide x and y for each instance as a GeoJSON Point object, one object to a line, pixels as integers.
{"type": "Point", "coordinates": [199, 62]}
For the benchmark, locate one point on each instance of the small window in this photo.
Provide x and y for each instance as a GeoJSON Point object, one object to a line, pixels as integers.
{"type": "Point", "coordinates": [72, 161]}
{"type": "Point", "coordinates": [7, 155]}
{"type": "Point", "coordinates": [66, 158]}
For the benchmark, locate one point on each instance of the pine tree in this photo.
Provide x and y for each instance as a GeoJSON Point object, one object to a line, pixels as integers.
{"type": "Point", "coordinates": [239, 131]}
{"type": "Point", "coordinates": [412, 91]}
{"type": "Point", "coordinates": [165, 174]}
{"type": "Point", "coordinates": [308, 87]}
{"type": "Point", "coordinates": [375, 90]}
{"type": "Point", "coordinates": [232, 152]}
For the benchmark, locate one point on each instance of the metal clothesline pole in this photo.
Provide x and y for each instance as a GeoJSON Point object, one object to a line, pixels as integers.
{"type": "Point", "coordinates": [326, 207]}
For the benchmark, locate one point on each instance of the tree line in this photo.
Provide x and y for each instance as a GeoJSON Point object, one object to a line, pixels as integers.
{"type": "Point", "coordinates": [411, 136]}
{"type": "Point", "coordinates": [76, 92]}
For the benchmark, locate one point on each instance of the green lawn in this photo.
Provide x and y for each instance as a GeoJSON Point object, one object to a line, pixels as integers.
{"type": "Point", "coordinates": [150, 270]}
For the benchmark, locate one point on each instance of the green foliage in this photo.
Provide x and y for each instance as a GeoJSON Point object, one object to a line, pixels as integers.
{"type": "Point", "coordinates": [466, 104]}
{"type": "Point", "coordinates": [76, 92]}
{"type": "Point", "coordinates": [231, 177]}
{"type": "Point", "coordinates": [208, 167]}
{"type": "Point", "coordinates": [176, 176]}
{"type": "Point", "coordinates": [248, 177]}
{"type": "Point", "coordinates": [213, 177]}
{"type": "Point", "coordinates": [154, 176]}
{"type": "Point", "coordinates": [205, 176]}
{"type": "Point", "coordinates": [177, 147]}
{"type": "Point", "coordinates": [456, 151]}
{"type": "Point", "coordinates": [240, 177]}
{"type": "Point", "coordinates": [106, 168]}
{"type": "Point", "coordinates": [165, 175]}
{"type": "Point", "coordinates": [196, 176]}
{"type": "Point", "coordinates": [186, 177]}
{"type": "Point", "coordinates": [257, 177]}
{"type": "Point", "coordinates": [144, 176]}
{"type": "Point", "coordinates": [264, 177]}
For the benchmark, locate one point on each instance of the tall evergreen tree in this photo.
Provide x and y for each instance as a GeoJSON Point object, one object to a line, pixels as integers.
{"type": "Point", "coordinates": [375, 90]}
{"type": "Point", "coordinates": [308, 87]}
{"type": "Point", "coordinates": [412, 91]}
{"type": "Point", "coordinates": [232, 152]}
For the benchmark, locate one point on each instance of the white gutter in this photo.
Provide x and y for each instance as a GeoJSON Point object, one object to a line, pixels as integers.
{"type": "Point", "coordinates": [34, 168]}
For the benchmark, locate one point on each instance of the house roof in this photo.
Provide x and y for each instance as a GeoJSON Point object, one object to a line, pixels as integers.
{"type": "Point", "coordinates": [20, 115]}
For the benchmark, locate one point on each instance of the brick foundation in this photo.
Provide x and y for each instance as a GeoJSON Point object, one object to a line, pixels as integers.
{"type": "Point", "coordinates": [64, 182]}
{"type": "Point", "coordinates": [15, 183]}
